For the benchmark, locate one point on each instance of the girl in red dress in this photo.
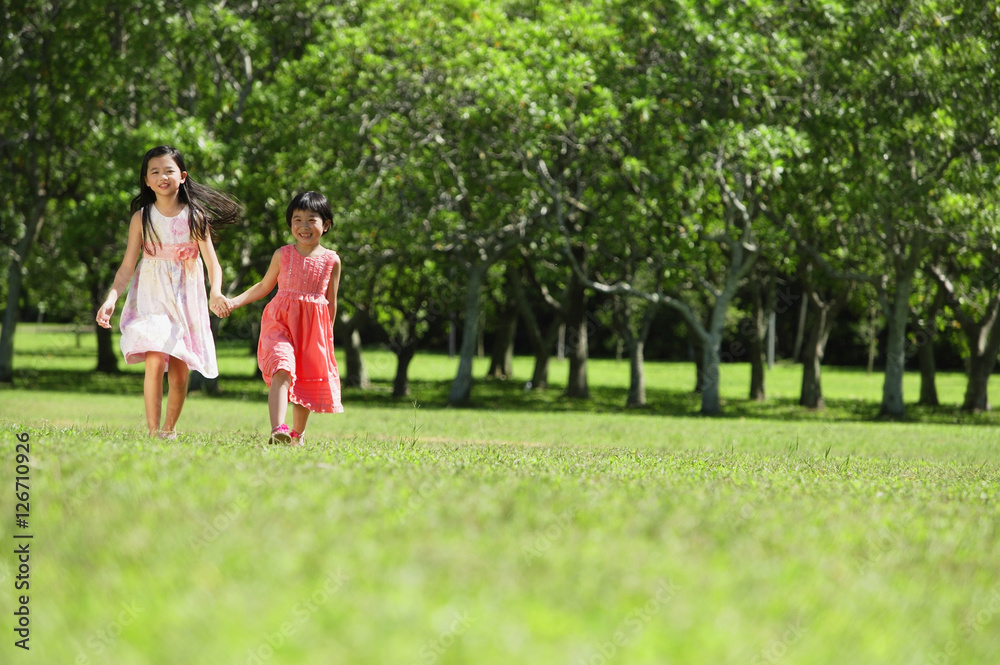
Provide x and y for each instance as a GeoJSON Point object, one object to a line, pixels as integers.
{"type": "Point", "coordinates": [295, 353]}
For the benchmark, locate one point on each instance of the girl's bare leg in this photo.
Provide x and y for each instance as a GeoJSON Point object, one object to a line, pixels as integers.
{"type": "Point", "coordinates": [177, 382]}
{"type": "Point", "coordinates": [277, 397]}
{"type": "Point", "coordinates": [152, 391]}
{"type": "Point", "coordinates": [300, 415]}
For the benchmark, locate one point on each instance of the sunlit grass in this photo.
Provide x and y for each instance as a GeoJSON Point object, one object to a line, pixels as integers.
{"type": "Point", "coordinates": [216, 548]}
{"type": "Point", "coordinates": [54, 361]}
{"type": "Point", "coordinates": [528, 528]}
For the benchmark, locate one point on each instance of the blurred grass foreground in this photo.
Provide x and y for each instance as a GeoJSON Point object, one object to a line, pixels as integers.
{"type": "Point", "coordinates": [528, 528]}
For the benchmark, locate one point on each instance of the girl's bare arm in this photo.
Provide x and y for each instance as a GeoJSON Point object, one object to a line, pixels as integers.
{"type": "Point", "coordinates": [125, 270]}
{"type": "Point", "coordinates": [217, 302]}
{"type": "Point", "coordinates": [331, 293]}
{"type": "Point", "coordinates": [261, 288]}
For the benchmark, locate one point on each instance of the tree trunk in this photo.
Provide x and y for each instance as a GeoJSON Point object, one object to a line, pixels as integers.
{"type": "Point", "coordinates": [698, 351]}
{"type": "Point", "coordinates": [540, 373]}
{"type": "Point", "coordinates": [924, 341]}
{"type": "Point", "coordinates": [895, 352]}
{"type": "Point", "coordinates": [107, 358]}
{"type": "Point", "coordinates": [872, 339]}
{"type": "Point", "coordinates": [811, 394]}
{"type": "Point", "coordinates": [635, 344]}
{"type": "Point", "coordinates": [711, 405]}
{"type": "Point", "coordinates": [757, 349]}
{"type": "Point", "coordinates": [800, 330]}
{"type": "Point", "coordinates": [637, 373]}
{"type": "Point", "coordinates": [356, 372]}
{"type": "Point", "coordinates": [576, 384]}
{"type": "Point", "coordinates": [502, 354]}
{"type": "Point", "coordinates": [758, 390]}
{"type": "Point", "coordinates": [10, 320]}
{"type": "Point", "coordinates": [576, 327]}
{"type": "Point", "coordinates": [15, 275]}
{"type": "Point", "coordinates": [349, 328]}
{"type": "Point", "coordinates": [895, 365]}
{"type": "Point", "coordinates": [401, 382]}
{"type": "Point", "coordinates": [461, 387]}
{"type": "Point", "coordinates": [984, 345]}
{"type": "Point", "coordinates": [983, 338]}
{"type": "Point", "coordinates": [976, 397]}
{"type": "Point", "coordinates": [814, 348]}
{"type": "Point", "coordinates": [541, 344]}
{"type": "Point", "coordinates": [897, 314]}
{"type": "Point", "coordinates": [928, 387]}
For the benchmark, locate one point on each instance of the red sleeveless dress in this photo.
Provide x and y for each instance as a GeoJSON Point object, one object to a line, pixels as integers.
{"type": "Point", "coordinates": [296, 334]}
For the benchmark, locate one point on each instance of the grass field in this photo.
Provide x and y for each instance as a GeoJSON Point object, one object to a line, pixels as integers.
{"type": "Point", "coordinates": [527, 529]}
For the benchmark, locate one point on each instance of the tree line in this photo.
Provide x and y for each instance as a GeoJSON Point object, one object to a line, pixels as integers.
{"type": "Point", "coordinates": [536, 156]}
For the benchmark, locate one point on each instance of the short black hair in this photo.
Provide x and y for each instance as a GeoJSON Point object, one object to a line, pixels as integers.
{"type": "Point", "coordinates": [313, 202]}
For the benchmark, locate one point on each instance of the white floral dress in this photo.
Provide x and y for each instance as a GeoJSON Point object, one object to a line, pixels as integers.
{"type": "Point", "coordinates": [166, 310]}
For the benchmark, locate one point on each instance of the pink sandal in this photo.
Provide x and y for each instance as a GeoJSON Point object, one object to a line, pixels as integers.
{"type": "Point", "coordinates": [297, 439]}
{"type": "Point", "coordinates": [280, 434]}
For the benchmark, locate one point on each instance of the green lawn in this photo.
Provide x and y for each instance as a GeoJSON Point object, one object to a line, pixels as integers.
{"type": "Point", "coordinates": [527, 529]}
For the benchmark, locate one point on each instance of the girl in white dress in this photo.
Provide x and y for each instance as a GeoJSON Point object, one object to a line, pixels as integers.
{"type": "Point", "coordinates": [165, 320]}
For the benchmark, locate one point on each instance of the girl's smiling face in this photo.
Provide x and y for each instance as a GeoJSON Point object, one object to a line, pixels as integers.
{"type": "Point", "coordinates": [164, 177]}
{"type": "Point", "coordinates": [308, 227]}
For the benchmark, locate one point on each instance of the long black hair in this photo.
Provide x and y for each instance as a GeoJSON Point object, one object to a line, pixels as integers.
{"type": "Point", "coordinates": [208, 209]}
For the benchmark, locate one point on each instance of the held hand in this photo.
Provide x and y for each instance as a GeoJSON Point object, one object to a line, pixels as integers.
{"type": "Point", "coordinates": [104, 314]}
{"type": "Point", "coordinates": [220, 305]}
